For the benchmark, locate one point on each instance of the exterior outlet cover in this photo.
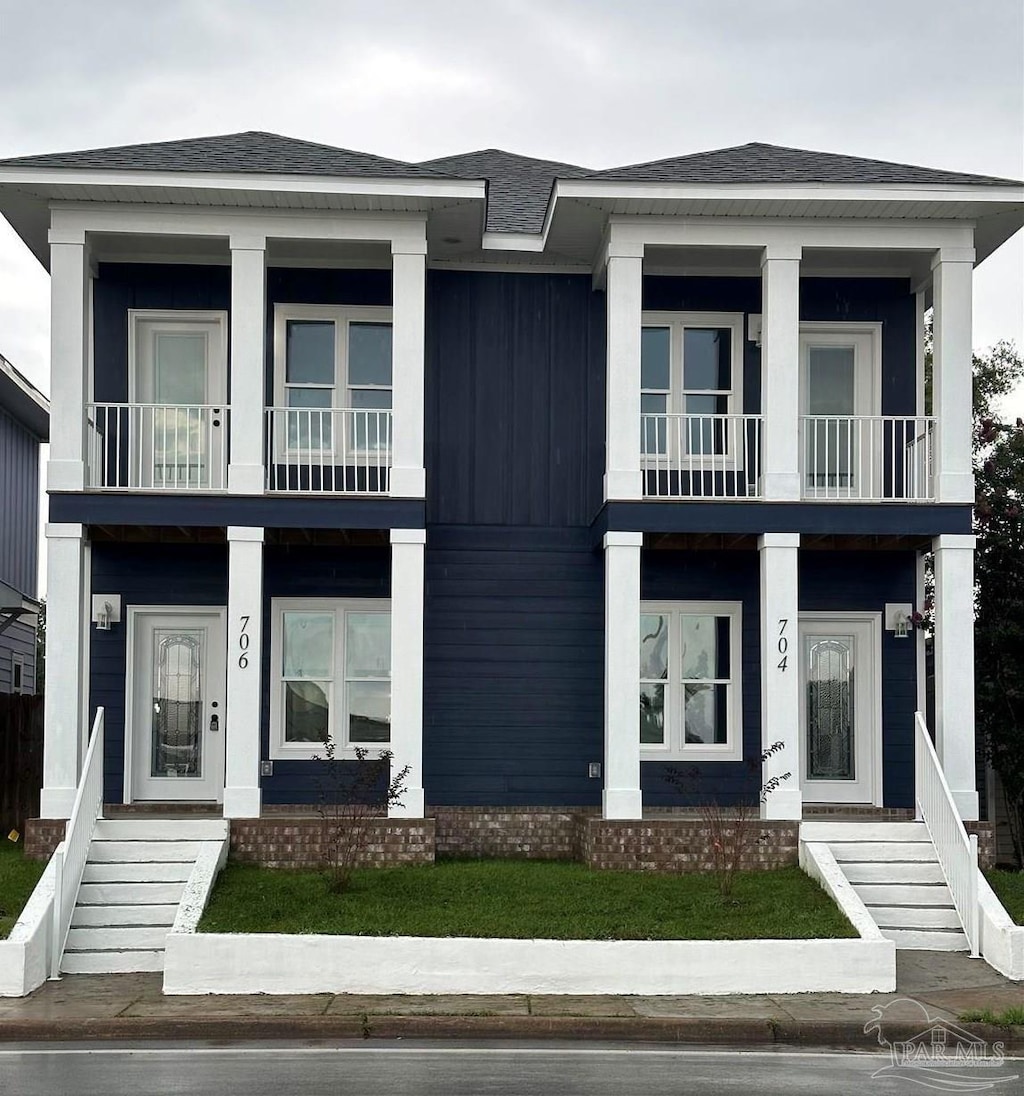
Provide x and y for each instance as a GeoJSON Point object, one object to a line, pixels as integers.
{"type": "Point", "coordinates": [594, 770]}
{"type": "Point", "coordinates": [266, 768]}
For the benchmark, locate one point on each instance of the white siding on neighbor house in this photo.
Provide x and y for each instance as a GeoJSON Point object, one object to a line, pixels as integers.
{"type": "Point", "coordinates": [20, 639]}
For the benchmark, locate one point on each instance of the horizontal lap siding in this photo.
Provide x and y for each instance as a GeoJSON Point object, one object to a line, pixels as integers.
{"type": "Point", "coordinates": [143, 574]}
{"type": "Point", "coordinates": [18, 639]}
{"type": "Point", "coordinates": [863, 582]}
{"type": "Point", "coordinates": [19, 492]}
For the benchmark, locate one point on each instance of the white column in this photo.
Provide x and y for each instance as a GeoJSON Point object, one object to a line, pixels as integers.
{"type": "Point", "coordinates": [248, 364]}
{"type": "Point", "coordinates": [63, 712]}
{"type": "Point", "coordinates": [407, 665]}
{"type": "Point", "coordinates": [622, 796]}
{"type": "Point", "coordinates": [953, 270]}
{"type": "Point", "coordinates": [954, 668]}
{"type": "Point", "coordinates": [780, 371]}
{"type": "Point", "coordinates": [68, 355]}
{"type": "Point", "coordinates": [624, 304]}
{"type": "Point", "coordinates": [408, 310]}
{"type": "Point", "coordinates": [780, 670]}
{"type": "Point", "coordinates": [245, 663]}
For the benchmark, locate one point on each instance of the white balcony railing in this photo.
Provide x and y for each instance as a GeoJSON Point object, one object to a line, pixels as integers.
{"type": "Point", "coordinates": [868, 458]}
{"type": "Point", "coordinates": [956, 849]}
{"type": "Point", "coordinates": [701, 456]}
{"type": "Point", "coordinates": [73, 852]}
{"type": "Point", "coordinates": [328, 451]}
{"type": "Point", "coordinates": [156, 447]}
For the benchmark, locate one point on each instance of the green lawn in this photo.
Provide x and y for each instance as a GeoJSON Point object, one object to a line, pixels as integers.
{"type": "Point", "coordinates": [525, 899]}
{"type": "Point", "coordinates": [1009, 888]}
{"type": "Point", "coordinates": [17, 878]}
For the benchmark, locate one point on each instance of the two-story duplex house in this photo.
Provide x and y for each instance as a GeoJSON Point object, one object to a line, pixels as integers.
{"type": "Point", "coordinates": [545, 478]}
{"type": "Point", "coordinates": [24, 426]}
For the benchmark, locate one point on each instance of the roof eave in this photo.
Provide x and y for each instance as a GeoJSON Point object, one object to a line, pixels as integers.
{"type": "Point", "coordinates": [24, 402]}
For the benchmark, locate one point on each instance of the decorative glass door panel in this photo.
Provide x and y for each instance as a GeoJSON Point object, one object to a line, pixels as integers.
{"type": "Point", "coordinates": [177, 705]}
{"type": "Point", "coordinates": [830, 707]}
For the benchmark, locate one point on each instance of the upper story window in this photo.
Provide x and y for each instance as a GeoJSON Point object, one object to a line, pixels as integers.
{"type": "Point", "coordinates": [691, 380]}
{"type": "Point", "coordinates": [690, 682]}
{"type": "Point", "coordinates": [330, 359]}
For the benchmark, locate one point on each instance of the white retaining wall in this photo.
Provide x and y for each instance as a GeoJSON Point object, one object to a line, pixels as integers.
{"type": "Point", "coordinates": [25, 954]}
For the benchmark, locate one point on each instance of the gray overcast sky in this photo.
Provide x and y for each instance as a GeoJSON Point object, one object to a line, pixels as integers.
{"type": "Point", "coordinates": [593, 82]}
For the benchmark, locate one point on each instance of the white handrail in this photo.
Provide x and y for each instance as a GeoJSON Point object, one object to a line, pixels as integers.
{"type": "Point", "coordinates": [714, 457]}
{"type": "Point", "coordinates": [956, 849]}
{"type": "Point", "coordinates": [73, 852]}
{"type": "Point", "coordinates": [332, 450]}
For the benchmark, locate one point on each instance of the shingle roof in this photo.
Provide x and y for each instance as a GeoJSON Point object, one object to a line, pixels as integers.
{"type": "Point", "coordinates": [761, 163]}
{"type": "Point", "coordinates": [518, 187]}
{"type": "Point", "coordinates": [252, 151]}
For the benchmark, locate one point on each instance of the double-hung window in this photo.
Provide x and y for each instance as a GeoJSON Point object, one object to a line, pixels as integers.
{"type": "Point", "coordinates": [691, 382]}
{"type": "Point", "coordinates": [690, 682]}
{"type": "Point", "coordinates": [332, 376]}
{"type": "Point", "coordinates": [331, 675]}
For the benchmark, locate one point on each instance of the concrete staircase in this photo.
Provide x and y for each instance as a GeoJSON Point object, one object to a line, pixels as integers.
{"type": "Point", "coordinates": [894, 870]}
{"type": "Point", "coordinates": [131, 887]}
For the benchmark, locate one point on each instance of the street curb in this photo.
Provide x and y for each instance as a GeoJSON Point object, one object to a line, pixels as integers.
{"type": "Point", "coordinates": [652, 1029]}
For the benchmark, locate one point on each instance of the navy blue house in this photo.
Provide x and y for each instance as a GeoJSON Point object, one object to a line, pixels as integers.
{"type": "Point", "coordinates": [548, 480]}
{"type": "Point", "coordinates": [24, 426]}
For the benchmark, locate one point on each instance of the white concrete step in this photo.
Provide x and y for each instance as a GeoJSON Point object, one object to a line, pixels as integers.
{"type": "Point", "coordinates": [889, 871]}
{"type": "Point", "coordinates": [111, 962]}
{"type": "Point", "coordinates": [903, 894]}
{"type": "Point", "coordinates": [863, 831]}
{"type": "Point", "coordinates": [122, 852]}
{"type": "Point", "coordinates": [925, 940]}
{"type": "Point", "coordinates": [149, 872]}
{"type": "Point", "coordinates": [127, 894]}
{"type": "Point", "coordinates": [161, 829]}
{"type": "Point", "coordinates": [118, 938]}
{"type": "Point", "coordinates": [860, 851]}
{"type": "Point", "coordinates": [85, 916]}
{"type": "Point", "coordinates": [915, 917]}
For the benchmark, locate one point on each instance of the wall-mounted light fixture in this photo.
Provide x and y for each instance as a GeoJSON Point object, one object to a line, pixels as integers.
{"type": "Point", "coordinates": [899, 619]}
{"type": "Point", "coordinates": [106, 610]}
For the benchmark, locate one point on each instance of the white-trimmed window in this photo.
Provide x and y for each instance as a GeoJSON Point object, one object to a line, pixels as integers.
{"type": "Point", "coordinates": [690, 681]}
{"type": "Point", "coordinates": [691, 364]}
{"type": "Point", "coordinates": [330, 675]}
{"type": "Point", "coordinates": [19, 682]}
{"type": "Point", "coordinates": [333, 374]}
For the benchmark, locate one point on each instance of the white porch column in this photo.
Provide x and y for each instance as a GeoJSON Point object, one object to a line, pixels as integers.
{"type": "Point", "coordinates": [248, 364]}
{"type": "Point", "coordinates": [622, 795]}
{"type": "Point", "coordinates": [69, 282]}
{"type": "Point", "coordinates": [245, 663]}
{"type": "Point", "coordinates": [954, 668]}
{"type": "Point", "coordinates": [407, 665]}
{"type": "Point", "coordinates": [953, 271]}
{"type": "Point", "coordinates": [63, 712]}
{"type": "Point", "coordinates": [780, 670]}
{"type": "Point", "coordinates": [624, 304]}
{"type": "Point", "coordinates": [408, 311]}
{"type": "Point", "coordinates": [780, 371]}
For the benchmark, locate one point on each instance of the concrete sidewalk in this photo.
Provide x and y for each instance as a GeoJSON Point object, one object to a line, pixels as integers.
{"type": "Point", "coordinates": [931, 986]}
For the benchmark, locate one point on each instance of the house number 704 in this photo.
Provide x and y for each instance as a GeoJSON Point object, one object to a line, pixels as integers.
{"type": "Point", "coordinates": [783, 644]}
{"type": "Point", "coordinates": [243, 644]}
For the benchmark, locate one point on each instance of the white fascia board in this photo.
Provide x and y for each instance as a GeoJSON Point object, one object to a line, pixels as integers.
{"type": "Point", "coordinates": [70, 219]}
{"type": "Point", "coordinates": [282, 184]}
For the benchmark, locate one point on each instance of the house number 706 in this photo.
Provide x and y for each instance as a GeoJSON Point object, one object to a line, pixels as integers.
{"type": "Point", "coordinates": [243, 644]}
{"type": "Point", "coordinates": [783, 644]}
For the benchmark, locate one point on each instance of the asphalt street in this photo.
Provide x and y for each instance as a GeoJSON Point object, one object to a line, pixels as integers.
{"type": "Point", "coordinates": [445, 1069]}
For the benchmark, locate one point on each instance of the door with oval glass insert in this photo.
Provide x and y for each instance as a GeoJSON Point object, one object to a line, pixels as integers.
{"type": "Point", "coordinates": [177, 706]}
{"type": "Point", "coordinates": [839, 704]}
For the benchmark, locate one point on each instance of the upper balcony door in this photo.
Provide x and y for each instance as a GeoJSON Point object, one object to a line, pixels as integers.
{"type": "Point", "coordinates": [177, 411]}
{"type": "Point", "coordinates": [839, 402]}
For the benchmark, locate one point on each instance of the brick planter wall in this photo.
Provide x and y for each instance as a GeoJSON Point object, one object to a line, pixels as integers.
{"type": "Point", "coordinates": [281, 842]}
{"type": "Point", "coordinates": [681, 844]}
{"type": "Point", "coordinates": [525, 833]}
{"type": "Point", "coordinates": [42, 836]}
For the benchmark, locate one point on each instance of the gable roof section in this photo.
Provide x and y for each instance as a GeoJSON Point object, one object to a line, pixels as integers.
{"type": "Point", "coordinates": [762, 163]}
{"type": "Point", "coordinates": [20, 398]}
{"type": "Point", "coordinates": [518, 187]}
{"type": "Point", "coordinates": [252, 152]}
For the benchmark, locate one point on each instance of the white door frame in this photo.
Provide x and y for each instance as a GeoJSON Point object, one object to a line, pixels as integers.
{"type": "Point", "coordinates": [836, 621]}
{"type": "Point", "coordinates": [134, 612]}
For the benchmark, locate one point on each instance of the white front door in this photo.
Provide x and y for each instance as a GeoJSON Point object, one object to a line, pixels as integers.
{"type": "Point", "coordinates": [839, 710]}
{"type": "Point", "coordinates": [176, 706]}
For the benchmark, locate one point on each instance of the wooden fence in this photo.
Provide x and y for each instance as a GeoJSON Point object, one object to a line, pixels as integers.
{"type": "Point", "coordinates": [21, 760]}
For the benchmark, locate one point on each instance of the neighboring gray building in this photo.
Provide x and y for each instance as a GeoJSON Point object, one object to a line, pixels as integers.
{"type": "Point", "coordinates": [24, 426]}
